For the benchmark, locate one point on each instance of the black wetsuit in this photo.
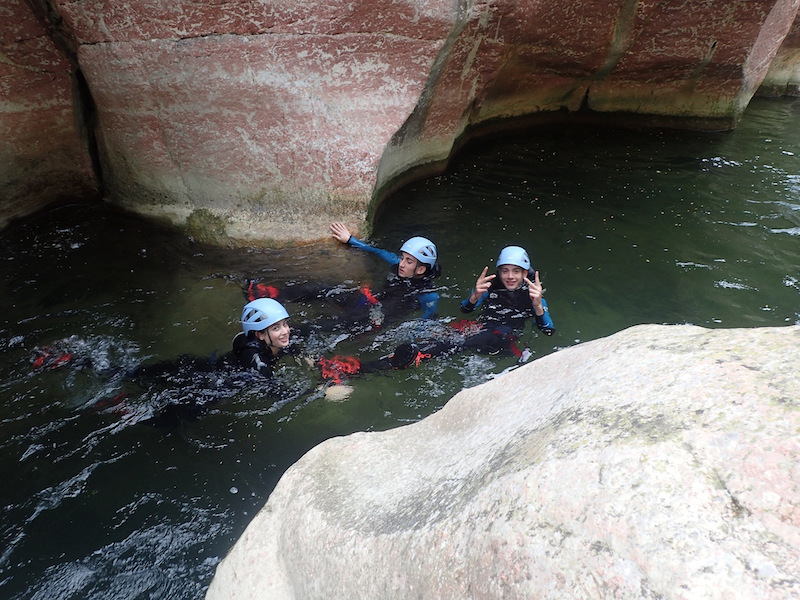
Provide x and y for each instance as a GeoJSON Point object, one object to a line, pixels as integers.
{"type": "Point", "coordinates": [497, 329]}
{"type": "Point", "coordinates": [189, 386]}
{"type": "Point", "coordinates": [253, 353]}
{"type": "Point", "coordinates": [402, 295]}
{"type": "Point", "coordinates": [509, 309]}
{"type": "Point", "coordinates": [363, 309]}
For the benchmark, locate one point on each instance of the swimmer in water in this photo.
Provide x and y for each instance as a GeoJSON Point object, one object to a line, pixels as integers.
{"type": "Point", "coordinates": [408, 287]}
{"type": "Point", "coordinates": [265, 335]}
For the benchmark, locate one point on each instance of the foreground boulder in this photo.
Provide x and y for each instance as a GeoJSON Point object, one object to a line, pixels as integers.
{"type": "Point", "coordinates": [660, 462]}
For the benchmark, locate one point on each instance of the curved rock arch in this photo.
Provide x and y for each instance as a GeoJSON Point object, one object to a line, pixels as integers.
{"type": "Point", "coordinates": [259, 122]}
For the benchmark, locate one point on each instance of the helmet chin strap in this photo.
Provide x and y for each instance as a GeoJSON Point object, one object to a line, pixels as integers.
{"type": "Point", "coordinates": [271, 344]}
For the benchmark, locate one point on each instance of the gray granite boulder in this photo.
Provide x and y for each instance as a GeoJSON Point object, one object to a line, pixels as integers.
{"type": "Point", "coordinates": [660, 462]}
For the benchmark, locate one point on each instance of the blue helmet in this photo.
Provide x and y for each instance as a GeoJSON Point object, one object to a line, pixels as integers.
{"type": "Point", "coordinates": [422, 249]}
{"type": "Point", "coordinates": [514, 255]}
{"type": "Point", "coordinates": [261, 313]}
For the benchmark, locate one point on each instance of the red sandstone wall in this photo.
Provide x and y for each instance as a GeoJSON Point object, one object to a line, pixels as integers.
{"type": "Point", "coordinates": [43, 153]}
{"type": "Point", "coordinates": [696, 60]}
{"type": "Point", "coordinates": [272, 116]}
{"type": "Point", "coordinates": [783, 77]}
{"type": "Point", "coordinates": [260, 121]}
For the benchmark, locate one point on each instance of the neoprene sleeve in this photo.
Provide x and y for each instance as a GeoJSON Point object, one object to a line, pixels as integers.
{"type": "Point", "coordinates": [389, 257]}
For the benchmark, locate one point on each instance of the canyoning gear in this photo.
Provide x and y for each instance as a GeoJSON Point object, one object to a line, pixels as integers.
{"type": "Point", "coordinates": [261, 313]}
{"type": "Point", "coordinates": [510, 308]}
{"type": "Point", "coordinates": [406, 355]}
{"type": "Point", "coordinates": [252, 353]}
{"type": "Point", "coordinates": [419, 358]}
{"type": "Point", "coordinates": [514, 255]}
{"type": "Point", "coordinates": [369, 297]}
{"type": "Point", "coordinates": [187, 387]}
{"type": "Point", "coordinates": [389, 257]}
{"type": "Point", "coordinates": [47, 359]}
{"type": "Point", "coordinates": [402, 294]}
{"type": "Point", "coordinates": [467, 327]}
{"type": "Point", "coordinates": [491, 339]}
{"type": "Point", "coordinates": [338, 368]}
{"type": "Point", "coordinates": [422, 249]}
{"type": "Point", "coordinates": [260, 290]}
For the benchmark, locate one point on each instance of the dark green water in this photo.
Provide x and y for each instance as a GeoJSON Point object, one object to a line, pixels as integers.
{"type": "Point", "coordinates": [625, 227]}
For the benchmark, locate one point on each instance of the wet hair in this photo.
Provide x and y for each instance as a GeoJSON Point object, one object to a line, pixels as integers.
{"type": "Point", "coordinates": [433, 271]}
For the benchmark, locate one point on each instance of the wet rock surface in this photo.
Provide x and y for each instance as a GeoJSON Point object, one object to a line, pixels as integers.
{"type": "Point", "coordinates": [259, 123]}
{"type": "Point", "coordinates": [659, 462]}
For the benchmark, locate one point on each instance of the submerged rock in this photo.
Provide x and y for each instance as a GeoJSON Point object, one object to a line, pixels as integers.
{"type": "Point", "coordinates": [338, 393]}
{"type": "Point", "coordinates": [660, 462]}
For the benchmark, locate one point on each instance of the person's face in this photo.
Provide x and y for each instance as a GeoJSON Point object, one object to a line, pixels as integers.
{"type": "Point", "coordinates": [511, 276]}
{"type": "Point", "coordinates": [410, 266]}
{"type": "Point", "coordinates": [276, 335]}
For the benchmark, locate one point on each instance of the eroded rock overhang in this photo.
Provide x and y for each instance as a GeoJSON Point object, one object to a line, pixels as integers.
{"type": "Point", "coordinates": [259, 122]}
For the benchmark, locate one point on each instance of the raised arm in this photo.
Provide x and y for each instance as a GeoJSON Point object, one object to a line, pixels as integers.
{"type": "Point", "coordinates": [482, 286]}
{"type": "Point", "coordinates": [535, 292]}
{"type": "Point", "coordinates": [540, 311]}
{"type": "Point", "coordinates": [341, 233]}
